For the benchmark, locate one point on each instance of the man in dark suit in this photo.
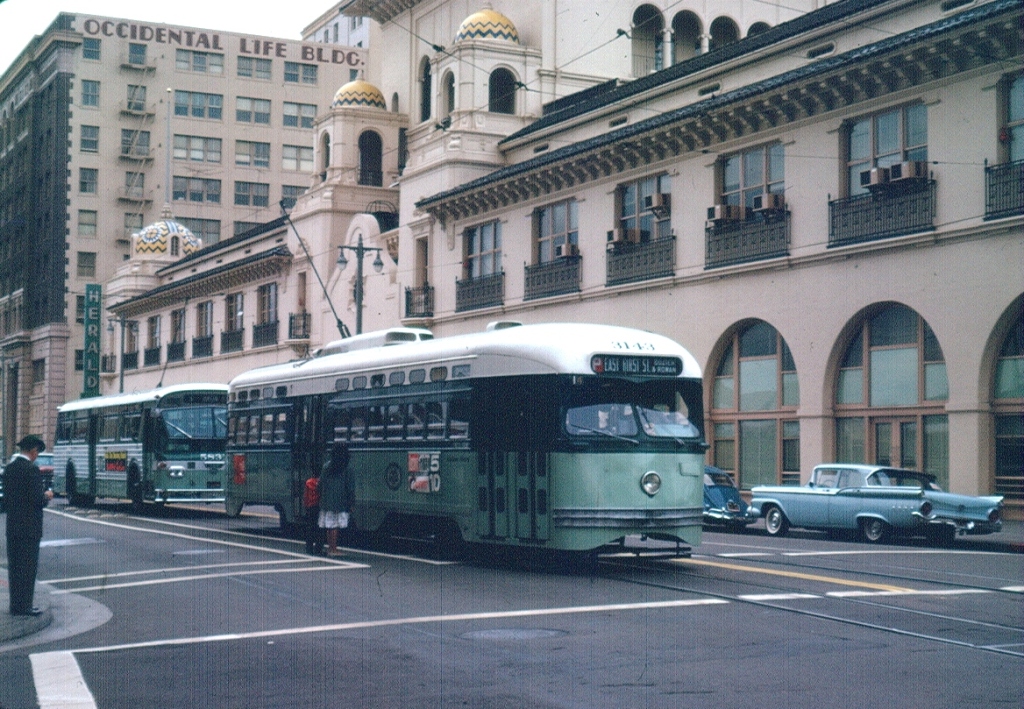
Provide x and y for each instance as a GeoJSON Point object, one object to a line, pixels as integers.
{"type": "Point", "coordinates": [24, 499]}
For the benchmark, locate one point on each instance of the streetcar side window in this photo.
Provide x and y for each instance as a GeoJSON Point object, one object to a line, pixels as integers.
{"type": "Point", "coordinates": [458, 419]}
{"type": "Point", "coordinates": [132, 422]}
{"type": "Point", "coordinates": [359, 418]}
{"type": "Point", "coordinates": [108, 427]}
{"type": "Point", "coordinates": [435, 420]}
{"type": "Point", "coordinates": [268, 428]}
{"type": "Point", "coordinates": [281, 427]}
{"type": "Point", "coordinates": [81, 426]}
{"type": "Point", "coordinates": [376, 428]}
{"type": "Point", "coordinates": [233, 429]}
{"type": "Point", "coordinates": [342, 423]}
{"type": "Point", "coordinates": [65, 427]}
{"type": "Point", "coordinates": [254, 429]}
{"type": "Point", "coordinates": [415, 427]}
{"type": "Point", "coordinates": [395, 422]}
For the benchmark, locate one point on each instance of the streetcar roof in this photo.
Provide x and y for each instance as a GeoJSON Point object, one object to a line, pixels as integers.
{"type": "Point", "coordinates": [550, 348]}
{"type": "Point", "coordinates": [138, 397]}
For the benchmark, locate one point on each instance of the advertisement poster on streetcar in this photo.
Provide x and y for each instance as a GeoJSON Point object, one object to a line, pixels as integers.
{"type": "Point", "coordinates": [115, 461]}
{"type": "Point", "coordinates": [424, 472]}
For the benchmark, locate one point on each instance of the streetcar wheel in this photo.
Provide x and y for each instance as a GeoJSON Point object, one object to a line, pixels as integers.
{"type": "Point", "coordinates": [775, 522]}
{"type": "Point", "coordinates": [232, 508]}
{"type": "Point", "coordinates": [135, 488]}
{"type": "Point", "coordinates": [873, 530]}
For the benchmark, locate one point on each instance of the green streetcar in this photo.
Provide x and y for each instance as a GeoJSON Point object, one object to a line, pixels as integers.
{"type": "Point", "coordinates": [558, 436]}
{"type": "Point", "coordinates": [165, 445]}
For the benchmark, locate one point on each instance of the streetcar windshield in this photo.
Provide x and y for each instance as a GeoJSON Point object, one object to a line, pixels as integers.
{"type": "Point", "coordinates": [622, 409]}
{"type": "Point", "coordinates": [198, 422]}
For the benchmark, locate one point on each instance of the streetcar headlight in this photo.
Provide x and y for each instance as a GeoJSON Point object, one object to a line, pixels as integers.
{"type": "Point", "coordinates": [651, 483]}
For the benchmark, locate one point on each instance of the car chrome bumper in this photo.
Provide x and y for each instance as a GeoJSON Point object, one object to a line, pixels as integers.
{"type": "Point", "coordinates": [963, 526]}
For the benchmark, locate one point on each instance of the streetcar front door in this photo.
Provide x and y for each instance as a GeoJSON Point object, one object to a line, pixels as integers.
{"type": "Point", "coordinates": [512, 494]}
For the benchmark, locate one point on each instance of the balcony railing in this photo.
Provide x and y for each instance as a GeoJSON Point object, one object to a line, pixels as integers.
{"type": "Point", "coordinates": [555, 277]}
{"type": "Point", "coordinates": [419, 302]}
{"type": "Point", "coordinates": [130, 360]}
{"type": "Point", "coordinates": [231, 340]}
{"type": "Point", "coordinates": [264, 334]}
{"type": "Point", "coordinates": [480, 292]}
{"type": "Point", "coordinates": [298, 326]}
{"type": "Point", "coordinates": [764, 235]}
{"type": "Point", "coordinates": [152, 356]}
{"type": "Point", "coordinates": [1004, 190]}
{"type": "Point", "coordinates": [175, 351]}
{"type": "Point", "coordinates": [202, 347]}
{"type": "Point", "coordinates": [907, 207]}
{"type": "Point", "coordinates": [629, 263]}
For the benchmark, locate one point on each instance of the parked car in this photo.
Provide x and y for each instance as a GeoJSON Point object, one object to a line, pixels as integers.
{"type": "Point", "coordinates": [876, 500]}
{"type": "Point", "coordinates": [723, 505]}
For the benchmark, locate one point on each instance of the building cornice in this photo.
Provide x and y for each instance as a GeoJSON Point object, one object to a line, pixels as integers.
{"type": "Point", "coordinates": [983, 36]}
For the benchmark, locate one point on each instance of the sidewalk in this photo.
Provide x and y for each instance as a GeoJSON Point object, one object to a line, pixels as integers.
{"type": "Point", "coordinates": [1011, 539]}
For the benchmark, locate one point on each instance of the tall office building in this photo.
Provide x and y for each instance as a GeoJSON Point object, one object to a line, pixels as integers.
{"type": "Point", "coordinates": [106, 122]}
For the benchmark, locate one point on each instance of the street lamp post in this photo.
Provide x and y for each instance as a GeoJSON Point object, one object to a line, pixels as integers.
{"type": "Point", "coordinates": [378, 266]}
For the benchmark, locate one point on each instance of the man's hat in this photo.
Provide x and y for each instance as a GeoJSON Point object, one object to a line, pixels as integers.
{"type": "Point", "coordinates": [30, 442]}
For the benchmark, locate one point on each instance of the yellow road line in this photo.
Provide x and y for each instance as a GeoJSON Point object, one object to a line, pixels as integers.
{"type": "Point", "coordinates": [795, 575]}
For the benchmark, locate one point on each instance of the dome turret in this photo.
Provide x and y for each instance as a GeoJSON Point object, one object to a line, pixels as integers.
{"type": "Point", "coordinates": [361, 94]}
{"type": "Point", "coordinates": [487, 24]}
{"type": "Point", "coordinates": [158, 239]}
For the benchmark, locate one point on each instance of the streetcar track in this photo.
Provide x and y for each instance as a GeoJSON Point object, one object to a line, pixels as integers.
{"type": "Point", "coordinates": [1001, 649]}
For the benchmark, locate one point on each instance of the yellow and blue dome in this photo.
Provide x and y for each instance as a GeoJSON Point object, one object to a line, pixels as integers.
{"type": "Point", "coordinates": [156, 239]}
{"type": "Point", "coordinates": [487, 24]}
{"type": "Point", "coordinates": [361, 94]}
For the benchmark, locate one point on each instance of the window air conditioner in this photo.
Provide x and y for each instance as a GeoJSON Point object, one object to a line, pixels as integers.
{"type": "Point", "coordinates": [726, 213]}
{"type": "Point", "coordinates": [657, 201]}
{"type": "Point", "coordinates": [566, 250]}
{"type": "Point", "coordinates": [910, 170]}
{"type": "Point", "coordinates": [875, 177]}
{"type": "Point", "coordinates": [769, 201]}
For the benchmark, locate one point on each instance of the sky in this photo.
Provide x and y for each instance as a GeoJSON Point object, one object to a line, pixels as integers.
{"type": "Point", "coordinates": [20, 20]}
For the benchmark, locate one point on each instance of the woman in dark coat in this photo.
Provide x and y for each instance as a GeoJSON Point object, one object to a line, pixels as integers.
{"type": "Point", "coordinates": [335, 495]}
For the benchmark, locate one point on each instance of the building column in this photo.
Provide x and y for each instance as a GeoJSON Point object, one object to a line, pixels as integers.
{"type": "Point", "coordinates": [667, 53]}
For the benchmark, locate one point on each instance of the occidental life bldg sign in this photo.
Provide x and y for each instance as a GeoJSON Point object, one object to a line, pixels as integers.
{"type": "Point", "coordinates": [215, 42]}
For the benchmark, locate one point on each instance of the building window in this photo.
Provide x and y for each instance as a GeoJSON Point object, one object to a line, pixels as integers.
{"type": "Point", "coordinates": [204, 319]}
{"type": "Point", "coordinates": [255, 194]}
{"type": "Point", "coordinates": [254, 68]}
{"type": "Point", "coordinates": [425, 89]}
{"type": "Point", "coordinates": [88, 179]}
{"type": "Point", "coordinates": [79, 308]}
{"type": "Point", "coordinates": [135, 184]}
{"type": "Point", "coordinates": [137, 54]}
{"type": "Point", "coordinates": [483, 250]}
{"type": "Point", "coordinates": [195, 189]}
{"type": "Point", "coordinates": [90, 140]}
{"type": "Point", "coordinates": [86, 266]}
{"type": "Point", "coordinates": [557, 230]}
{"type": "Point", "coordinates": [90, 93]}
{"type": "Point", "coordinates": [198, 105]}
{"type": "Point", "coordinates": [234, 312]}
{"type": "Point", "coordinates": [644, 210]}
{"type": "Point", "coordinates": [267, 304]}
{"type": "Point", "coordinates": [153, 332]}
{"type": "Point", "coordinates": [1008, 407]}
{"type": "Point", "coordinates": [197, 148]}
{"type": "Point", "coordinates": [890, 394]}
{"type": "Point", "coordinates": [1012, 129]}
{"type": "Point", "coordinates": [87, 222]}
{"type": "Point", "coordinates": [243, 227]}
{"type": "Point", "coordinates": [252, 154]}
{"type": "Point", "coordinates": [79, 360]}
{"type": "Point", "coordinates": [753, 173]}
{"type": "Point", "coordinates": [447, 93]}
{"type": "Point", "coordinates": [91, 48]}
{"type": "Point", "coordinates": [290, 193]}
{"type": "Point", "coordinates": [299, 115]}
{"type": "Point", "coordinates": [132, 223]}
{"type": "Point", "coordinates": [201, 62]}
{"type": "Point", "coordinates": [252, 110]}
{"type": "Point", "coordinates": [883, 140]}
{"type": "Point", "coordinates": [135, 143]}
{"type": "Point", "coordinates": [646, 41]}
{"type": "Point", "coordinates": [501, 92]}
{"type": "Point", "coordinates": [178, 326]}
{"type": "Point", "coordinates": [298, 158]}
{"type": "Point", "coordinates": [371, 150]}
{"type": "Point", "coordinates": [295, 73]}
{"type": "Point", "coordinates": [136, 98]}
{"type": "Point", "coordinates": [206, 229]}
{"type": "Point", "coordinates": [38, 371]}
{"type": "Point", "coordinates": [755, 390]}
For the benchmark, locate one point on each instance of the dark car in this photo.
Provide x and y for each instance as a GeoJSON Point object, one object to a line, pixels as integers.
{"type": "Point", "coordinates": [723, 505]}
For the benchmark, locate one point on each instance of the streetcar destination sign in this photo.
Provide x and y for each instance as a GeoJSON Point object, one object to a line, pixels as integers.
{"type": "Point", "coordinates": [636, 364]}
